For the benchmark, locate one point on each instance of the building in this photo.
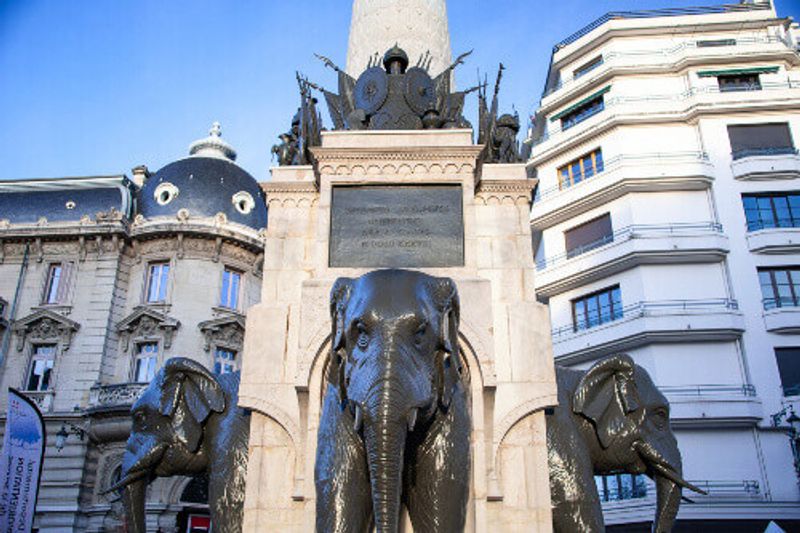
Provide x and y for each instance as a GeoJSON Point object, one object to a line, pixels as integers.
{"type": "Point", "coordinates": [667, 225]}
{"type": "Point", "coordinates": [101, 280]}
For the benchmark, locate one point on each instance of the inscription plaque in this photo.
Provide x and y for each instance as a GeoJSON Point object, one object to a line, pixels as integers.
{"type": "Point", "coordinates": [397, 226]}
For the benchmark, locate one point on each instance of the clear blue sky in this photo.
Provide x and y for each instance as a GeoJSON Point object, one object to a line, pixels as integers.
{"type": "Point", "coordinates": [90, 87]}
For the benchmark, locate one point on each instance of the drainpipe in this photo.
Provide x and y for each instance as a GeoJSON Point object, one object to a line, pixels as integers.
{"type": "Point", "coordinates": [13, 313]}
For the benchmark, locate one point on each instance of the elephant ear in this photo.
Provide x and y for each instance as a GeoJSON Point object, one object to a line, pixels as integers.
{"type": "Point", "coordinates": [445, 297]}
{"type": "Point", "coordinates": [340, 296]}
{"type": "Point", "coordinates": [606, 394]}
{"type": "Point", "coordinates": [188, 380]}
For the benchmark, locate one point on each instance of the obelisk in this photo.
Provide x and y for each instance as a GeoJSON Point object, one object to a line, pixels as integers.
{"type": "Point", "coordinates": [417, 26]}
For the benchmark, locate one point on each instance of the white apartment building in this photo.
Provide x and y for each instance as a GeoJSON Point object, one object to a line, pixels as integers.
{"type": "Point", "coordinates": [667, 225]}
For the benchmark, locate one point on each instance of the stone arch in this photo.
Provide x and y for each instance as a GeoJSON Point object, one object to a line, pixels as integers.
{"type": "Point", "coordinates": [519, 477]}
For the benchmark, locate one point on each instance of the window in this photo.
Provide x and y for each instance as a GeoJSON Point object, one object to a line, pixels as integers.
{"type": "Point", "coordinates": [789, 369]}
{"type": "Point", "coordinates": [738, 82]}
{"type": "Point", "coordinates": [588, 235]}
{"type": "Point", "coordinates": [716, 42]}
{"type": "Point", "coordinates": [225, 361]}
{"type": "Point", "coordinates": [588, 67]}
{"type": "Point", "coordinates": [597, 308]}
{"type": "Point", "coordinates": [157, 281]}
{"type": "Point", "coordinates": [773, 210]}
{"type": "Point", "coordinates": [229, 295]}
{"type": "Point", "coordinates": [146, 359]}
{"type": "Point", "coordinates": [580, 169]}
{"type": "Point", "coordinates": [57, 283]}
{"type": "Point", "coordinates": [582, 112]}
{"type": "Point", "coordinates": [44, 356]}
{"type": "Point", "coordinates": [760, 139]}
{"type": "Point", "coordinates": [618, 487]}
{"type": "Point", "coordinates": [780, 287]}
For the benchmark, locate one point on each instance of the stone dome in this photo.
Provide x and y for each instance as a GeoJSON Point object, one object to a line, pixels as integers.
{"type": "Point", "coordinates": [205, 183]}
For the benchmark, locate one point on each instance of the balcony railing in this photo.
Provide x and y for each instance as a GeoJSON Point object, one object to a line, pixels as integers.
{"type": "Point", "coordinates": [610, 58]}
{"type": "Point", "coordinates": [783, 301]}
{"type": "Point", "coordinates": [620, 160]}
{"type": "Point", "coordinates": [632, 232]}
{"type": "Point", "coordinates": [652, 13]}
{"type": "Point", "coordinates": [42, 399]}
{"type": "Point", "coordinates": [755, 152]}
{"type": "Point", "coordinates": [651, 308]}
{"type": "Point", "coordinates": [121, 394]}
{"type": "Point", "coordinates": [774, 223]}
{"type": "Point", "coordinates": [708, 390]}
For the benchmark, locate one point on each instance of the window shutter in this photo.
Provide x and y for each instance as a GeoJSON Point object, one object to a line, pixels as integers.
{"type": "Point", "coordinates": [590, 232]}
{"type": "Point", "coordinates": [759, 137]}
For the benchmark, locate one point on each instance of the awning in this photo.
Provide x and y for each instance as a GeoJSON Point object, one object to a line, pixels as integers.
{"type": "Point", "coordinates": [583, 102]}
{"type": "Point", "coordinates": [735, 71]}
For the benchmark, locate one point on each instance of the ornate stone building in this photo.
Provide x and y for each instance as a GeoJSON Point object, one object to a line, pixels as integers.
{"type": "Point", "coordinates": [104, 278]}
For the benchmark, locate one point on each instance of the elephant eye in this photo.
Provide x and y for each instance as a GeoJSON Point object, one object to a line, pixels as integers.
{"type": "Point", "coordinates": [419, 335]}
{"type": "Point", "coordinates": [140, 418]}
{"type": "Point", "coordinates": [661, 419]}
{"type": "Point", "coordinates": [363, 337]}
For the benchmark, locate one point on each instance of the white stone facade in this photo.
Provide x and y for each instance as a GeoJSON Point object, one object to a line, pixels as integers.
{"type": "Point", "coordinates": [679, 251]}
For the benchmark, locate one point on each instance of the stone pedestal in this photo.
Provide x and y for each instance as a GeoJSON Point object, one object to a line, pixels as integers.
{"type": "Point", "coordinates": [505, 338]}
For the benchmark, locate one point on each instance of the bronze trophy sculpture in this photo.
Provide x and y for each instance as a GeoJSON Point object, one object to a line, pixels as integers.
{"type": "Point", "coordinates": [187, 422]}
{"type": "Point", "coordinates": [395, 425]}
{"type": "Point", "coordinates": [610, 419]}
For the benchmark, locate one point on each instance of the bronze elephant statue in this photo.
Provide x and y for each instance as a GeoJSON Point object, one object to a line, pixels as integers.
{"type": "Point", "coordinates": [610, 419]}
{"type": "Point", "coordinates": [395, 424]}
{"type": "Point", "coordinates": [187, 422]}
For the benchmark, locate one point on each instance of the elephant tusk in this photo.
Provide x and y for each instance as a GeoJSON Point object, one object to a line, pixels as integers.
{"type": "Point", "coordinates": [672, 476]}
{"type": "Point", "coordinates": [359, 419]}
{"type": "Point", "coordinates": [127, 480]}
{"type": "Point", "coordinates": [412, 419]}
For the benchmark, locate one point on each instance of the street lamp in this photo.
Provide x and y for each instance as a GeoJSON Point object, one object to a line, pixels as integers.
{"type": "Point", "coordinates": [793, 431]}
{"type": "Point", "coordinates": [64, 433]}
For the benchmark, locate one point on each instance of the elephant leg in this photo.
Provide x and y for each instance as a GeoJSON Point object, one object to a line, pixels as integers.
{"type": "Point", "coordinates": [576, 504]}
{"type": "Point", "coordinates": [344, 498]}
{"type": "Point", "coordinates": [438, 473]}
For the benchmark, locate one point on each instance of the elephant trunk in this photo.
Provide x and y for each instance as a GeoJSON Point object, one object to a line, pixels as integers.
{"type": "Point", "coordinates": [133, 496]}
{"type": "Point", "coordinates": [385, 440]}
{"type": "Point", "coordinates": [666, 468]}
{"type": "Point", "coordinates": [668, 499]}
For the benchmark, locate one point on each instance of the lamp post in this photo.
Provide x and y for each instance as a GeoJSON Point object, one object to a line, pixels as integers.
{"type": "Point", "coordinates": [65, 432]}
{"type": "Point", "coordinates": [792, 429]}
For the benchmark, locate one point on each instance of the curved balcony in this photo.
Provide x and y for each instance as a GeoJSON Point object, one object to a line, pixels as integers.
{"type": "Point", "coordinates": [657, 108]}
{"type": "Point", "coordinates": [713, 405]}
{"type": "Point", "coordinates": [667, 59]}
{"type": "Point", "coordinates": [671, 171]}
{"type": "Point", "coordinates": [783, 318]}
{"type": "Point", "coordinates": [774, 236]}
{"type": "Point", "coordinates": [650, 322]}
{"type": "Point", "coordinates": [766, 164]}
{"type": "Point", "coordinates": [628, 247]}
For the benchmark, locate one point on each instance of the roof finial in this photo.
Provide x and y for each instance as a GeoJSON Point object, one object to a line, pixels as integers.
{"type": "Point", "coordinates": [213, 145]}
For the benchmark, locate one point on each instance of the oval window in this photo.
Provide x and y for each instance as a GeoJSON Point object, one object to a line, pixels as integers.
{"type": "Point", "coordinates": [243, 202]}
{"type": "Point", "coordinates": [165, 193]}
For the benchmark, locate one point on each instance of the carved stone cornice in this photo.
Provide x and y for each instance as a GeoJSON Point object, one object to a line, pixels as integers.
{"type": "Point", "coordinates": [44, 325]}
{"type": "Point", "coordinates": [404, 160]}
{"type": "Point", "coordinates": [147, 323]}
{"type": "Point", "coordinates": [517, 192]}
{"type": "Point", "coordinates": [184, 225]}
{"type": "Point", "coordinates": [226, 331]}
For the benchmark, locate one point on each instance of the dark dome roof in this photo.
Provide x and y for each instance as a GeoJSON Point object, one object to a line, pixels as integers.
{"type": "Point", "coordinates": [204, 186]}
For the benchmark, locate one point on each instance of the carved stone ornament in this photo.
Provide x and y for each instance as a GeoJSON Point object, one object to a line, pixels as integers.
{"type": "Point", "coordinates": [147, 323]}
{"type": "Point", "coordinates": [45, 325]}
{"type": "Point", "coordinates": [227, 332]}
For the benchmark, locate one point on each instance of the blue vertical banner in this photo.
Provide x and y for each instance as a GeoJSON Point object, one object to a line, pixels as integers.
{"type": "Point", "coordinates": [20, 471]}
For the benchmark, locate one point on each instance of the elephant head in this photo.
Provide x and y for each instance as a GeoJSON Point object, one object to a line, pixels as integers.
{"type": "Point", "coordinates": [395, 366]}
{"type": "Point", "coordinates": [627, 427]}
{"type": "Point", "coordinates": [167, 434]}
